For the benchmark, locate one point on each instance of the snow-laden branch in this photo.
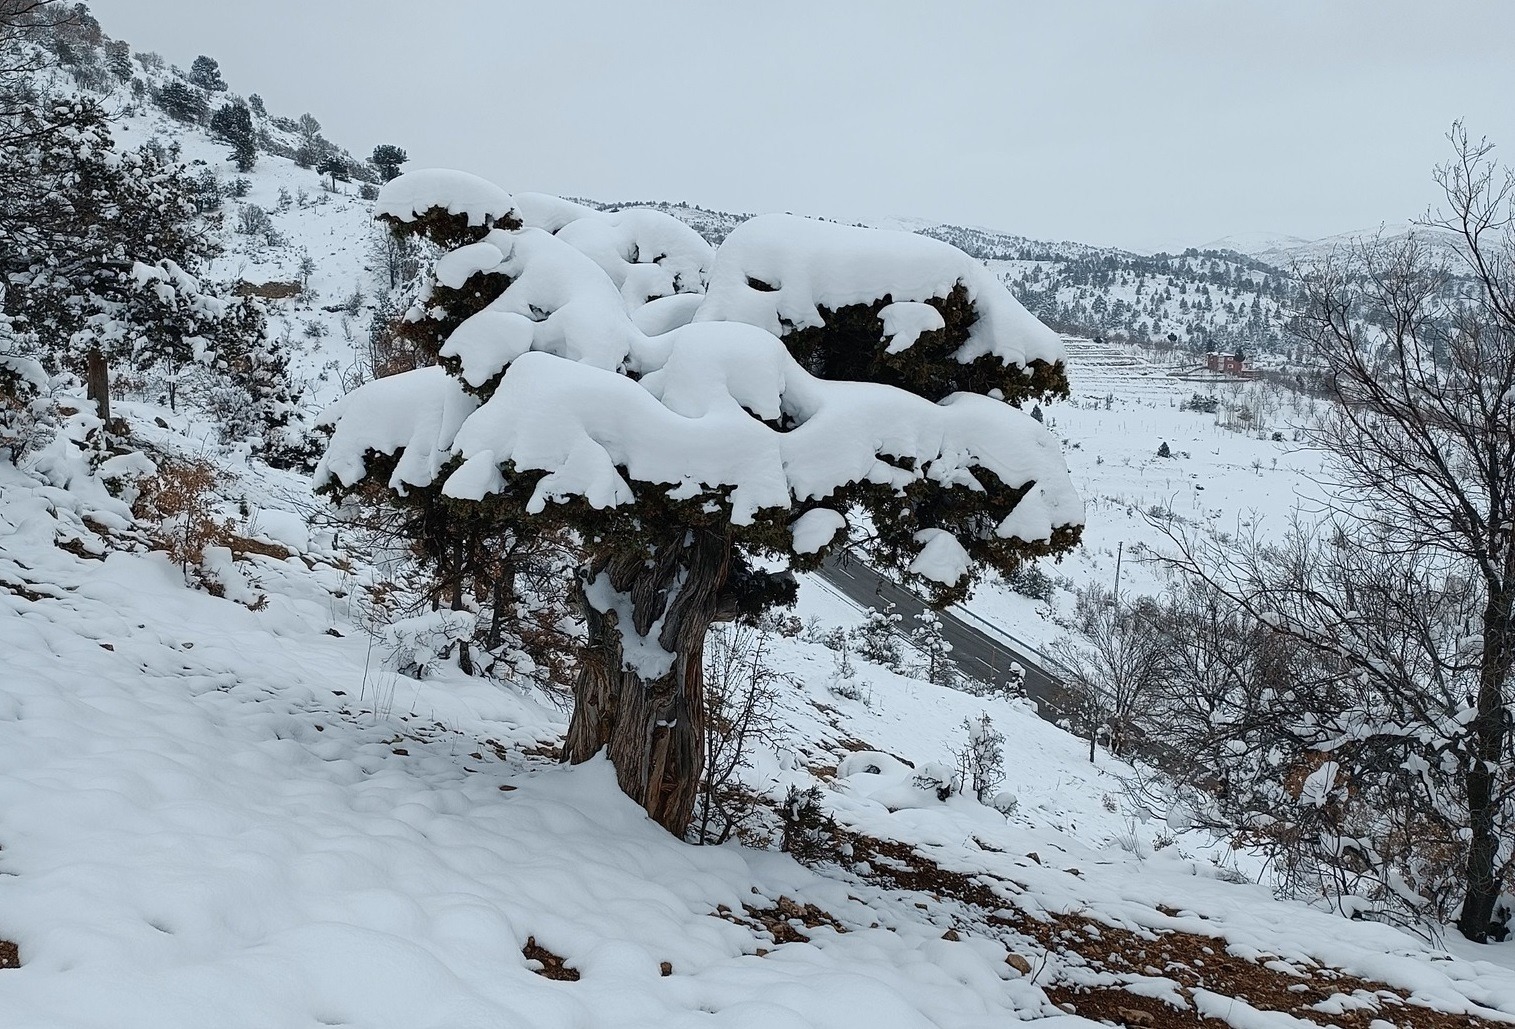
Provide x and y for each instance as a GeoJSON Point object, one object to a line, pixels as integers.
{"type": "Point", "coordinates": [582, 401]}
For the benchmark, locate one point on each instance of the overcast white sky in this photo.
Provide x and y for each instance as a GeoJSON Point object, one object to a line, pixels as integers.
{"type": "Point", "coordinates": [1130, 122]}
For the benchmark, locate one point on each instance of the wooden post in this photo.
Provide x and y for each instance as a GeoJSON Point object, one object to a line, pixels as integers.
{"type": "Point", "coordinates": [97, 383]}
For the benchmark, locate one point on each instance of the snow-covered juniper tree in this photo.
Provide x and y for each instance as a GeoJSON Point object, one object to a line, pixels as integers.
{"type": "Point", "coordinates": [688, 413]}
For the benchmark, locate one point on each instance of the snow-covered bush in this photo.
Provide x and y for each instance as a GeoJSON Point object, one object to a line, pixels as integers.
{"type": "Point", "coordinates": [22, 383]}
{"type": "Point", "coordinates": [938, 778]}
{"type": "Point", "coordinates": [981, 761]}
{"type": "Point", "coordinates": [416, 645]}
{"type": "Point", "coordinates": [829, 373]}
{"type": "Point", "coordinates": [1005, 802]}
{"type": "Point", "coordinates": [878, 638]}
{"type": "Point", "coordinates": [809, 833]}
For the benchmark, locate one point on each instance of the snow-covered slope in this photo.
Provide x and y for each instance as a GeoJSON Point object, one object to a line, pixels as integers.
{"type": "Point", "coordinates": [233, 810]}
{"type": "Point", "coordinates": [224, 813]}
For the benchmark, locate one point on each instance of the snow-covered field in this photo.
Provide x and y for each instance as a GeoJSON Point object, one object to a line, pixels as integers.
{"type": "Point", "coordinates": [1223, 476]}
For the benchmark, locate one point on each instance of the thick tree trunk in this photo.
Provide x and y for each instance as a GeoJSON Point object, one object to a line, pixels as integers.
{"type": "Point", "coordinates": [641, 688]}
{"type": "Point", "coordinates": [97, 383]}
{"type": "Point", "coordinates": [1489, 734]}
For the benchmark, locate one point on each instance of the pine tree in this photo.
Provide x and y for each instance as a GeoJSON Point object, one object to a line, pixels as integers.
{"type": "Point", "coordinates": [182, 102]}
{"type": "Point", "coordinates": [334, 168]}
{"type": "Point", "coordinates": [98, 247]}
{"type": "Point", "coordinates": [118, 58]}
{"type": "Point", "coordinates": [233, 124]}
{"type": "Point", "coordinates": [936, 650]}
{"type": "Point", "coordinates": [387, 159]}
{"type": "Point", "coordinates": [206, 73]}
{"type": "Point", "coordinates": [878, 638]}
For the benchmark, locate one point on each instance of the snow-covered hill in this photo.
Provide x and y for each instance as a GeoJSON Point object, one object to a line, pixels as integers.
{"type": "Point", "coordinates": [233, 811]}
{"type": "Point", "coordinates": [221, 803]}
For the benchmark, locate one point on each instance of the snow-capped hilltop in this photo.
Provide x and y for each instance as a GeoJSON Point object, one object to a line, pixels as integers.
{"type": "Point", "coordinates": [1289, 252]}
{"type": "Point", "coordinates": [1257, 244]}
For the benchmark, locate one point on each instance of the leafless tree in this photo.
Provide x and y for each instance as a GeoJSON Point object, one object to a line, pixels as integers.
{"type": "Point", "coordinates": [1114, 663]}
{"type": "Point", "coordinates": [1314, 689]}
{"type": "Point", "coordinates": [741, 698]}
{"type": "Point", "coordinates": [1407, 604]}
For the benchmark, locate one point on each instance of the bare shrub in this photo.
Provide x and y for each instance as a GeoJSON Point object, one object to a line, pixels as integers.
{"type": "Point", "coordinates": [179, 501]}
{"type": "Point", "coordinates": [741, 698]}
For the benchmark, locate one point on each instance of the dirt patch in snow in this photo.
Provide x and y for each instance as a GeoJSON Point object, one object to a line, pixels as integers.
{"type": "Point", "coordinates": [547, 964]}
{"type": "Point", "coordinates": [784, 922]}
{"type": "Point", "coordinates": [10, 955]}
{"type": "Point", "coordinates": [1119, 960]}
{"type": "Point", "coordinates": [1157, 978]}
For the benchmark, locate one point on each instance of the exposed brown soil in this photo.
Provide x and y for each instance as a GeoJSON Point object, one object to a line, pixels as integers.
{"type": "Point", "coordinates": [552, 965]}
{"type": "Point", "coordinates": [1117, 957]}
{"type": "Point", "coordinates": [779, 921]}
{"type": "Point", "coordinates": [10, 955]}
{"type": "Point", "coordinates": [241, 546]}
{"type": "Point", "coordinates": [24, 591]}
{"type": "Point", "coordinates": [269, 290]}
{"type": "Point", "coordinates": [77, 547]}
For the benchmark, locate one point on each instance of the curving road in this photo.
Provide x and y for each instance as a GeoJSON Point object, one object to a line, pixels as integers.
{"type": "Point", "coordinates": [976, 653]}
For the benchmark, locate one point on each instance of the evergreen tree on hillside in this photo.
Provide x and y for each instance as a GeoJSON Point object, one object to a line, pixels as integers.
{"type": "Point", "coordinates": [118, 58]}
{"type": "Point", "coordinates": [233, 124]}
{"type": "Point", "coordinates": [334, 168]}
{"type": "Point", "coordinates": [182, 102]}
{"type": "Point", "coordinates": [98, 252]}
{"type": "Point", "coordinates": [387, 159]}
{"type": "Point", "coordinates": [206, 73]}
{"type": "Point", "coordinates": [312, 151]}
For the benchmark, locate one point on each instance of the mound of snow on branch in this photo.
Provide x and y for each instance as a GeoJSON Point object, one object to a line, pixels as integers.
{"type": "Point", "coordinates": [456, 192]}
{"type": "Point", "coordinates": [713, 405]}
{"type": "Point", "coordinates": [777, 271]}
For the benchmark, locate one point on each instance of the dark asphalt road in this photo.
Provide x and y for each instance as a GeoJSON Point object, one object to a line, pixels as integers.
{"type": "Point", "coordinates": [976, 653]}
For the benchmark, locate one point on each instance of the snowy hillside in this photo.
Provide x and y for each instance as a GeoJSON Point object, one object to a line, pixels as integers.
{"type": "Point", "coordinates": [244, 806]}
{"type": "Point", "coordinates": [244, 780]}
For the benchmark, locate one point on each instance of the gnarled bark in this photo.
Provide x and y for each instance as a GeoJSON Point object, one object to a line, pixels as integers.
{"type": "Point", "coordinates": [653, 728]}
